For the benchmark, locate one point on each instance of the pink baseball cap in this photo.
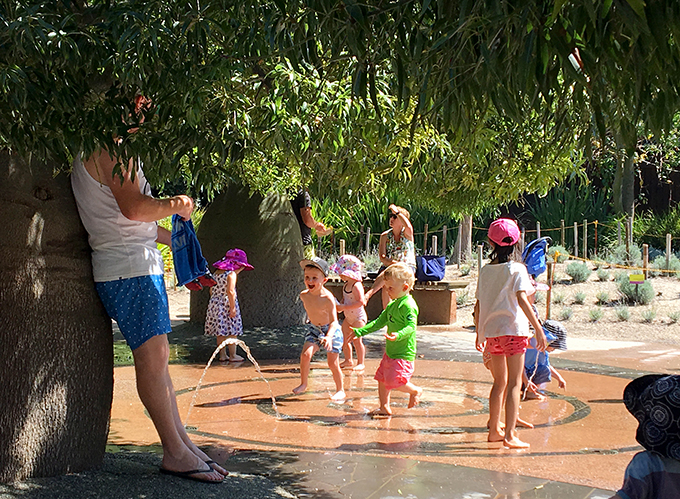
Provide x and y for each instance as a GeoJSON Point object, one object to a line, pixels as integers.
{"type": "Point", "coordinates": [232, 260]}
{"type": "Point", "coordinates": [504, 232]}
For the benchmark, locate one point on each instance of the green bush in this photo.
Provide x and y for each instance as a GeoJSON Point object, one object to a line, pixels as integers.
{"type": "Point", "coordinates": [578, 271]}
{"type": "Point", "coordinates": [595, 314]}
{"type": "Point", "coordinates": [603, 275]}
{"type": "Point", "coordinates": [558, 298]}
{"type": "Point", "coordinates": [659, 263]}
{"type": "Point", "coordinates": [461, 298]}
{"type": "Point", "coordinates": [562, 253]}
{"type": "Point", "coordinates": [580, 298]}
{"type": "Point", "coordinates": [371, 261]}
{"type": "Point", "coordinates": [622, 313]}
{"type": "Point", "coordinates": [674, 317]}
{"type": "Point", "coordinates": [464, 270]}
{"type": "Point", "coordinates": [617, 255]}
{"type": "Point", "coordinates": [602, 298]}
{"type": "Point", "coordinates": [648, 315]}
{"type": "Point", "coordinates": [566, 313]}
{"type": "Point", "coordinates": [644, 294]}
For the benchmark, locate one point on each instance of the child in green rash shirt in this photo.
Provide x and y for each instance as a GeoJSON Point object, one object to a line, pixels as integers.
{"type": "Point", "coordinates": [400, 317]}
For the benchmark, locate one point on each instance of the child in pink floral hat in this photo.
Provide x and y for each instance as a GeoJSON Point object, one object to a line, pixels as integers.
{"type": "Point", "coordinates": [223, 318]}
{"type": "Point", "coordinates": [348, 267]}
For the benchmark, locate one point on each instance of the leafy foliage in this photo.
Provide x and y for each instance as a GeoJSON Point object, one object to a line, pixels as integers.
{"type": "Point", "coordinates": [642, 294]}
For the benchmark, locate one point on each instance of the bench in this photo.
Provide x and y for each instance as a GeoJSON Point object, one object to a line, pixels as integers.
{"type": "Point", "coordinates": [436, 300]}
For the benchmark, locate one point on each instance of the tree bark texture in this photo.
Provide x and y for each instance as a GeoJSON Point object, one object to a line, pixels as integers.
{"type": "Point", "coordinates": [56, 368]}
{"type": "Point", "coordinates": [266, 229]}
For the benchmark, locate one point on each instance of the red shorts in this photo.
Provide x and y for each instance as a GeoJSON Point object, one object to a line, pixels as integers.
{"type": "Point", "coordinates": [507, 345]}
{"type": "Point", "coordinates": [394, 373]}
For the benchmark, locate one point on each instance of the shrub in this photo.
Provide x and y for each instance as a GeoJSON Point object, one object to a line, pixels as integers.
{"type": "Point", "coordinates": [602, 298]}
{"type": "Point", "coordinates": [595, 314]}
{"type": "Point", "coordinates": [461, 298]}
{"type": "Point", "coordinates": [617, 255]}
{"type": "Point", "coordinates": [648, 315]}
{"type": "Point", "coordinates": [558, 298]}
{"type": "Point", "coordinates": [622, 313]}
{"type": "Point", "coordinates": [540, 297]}
{"type": "Point", "coordinates": [566, 313]}
{"type": "Point", "coordinates": [371, 261]}
{"type": "Point", "coordinates": [562, 253]}
{"type": "Point", "coordinates": [603, 275]}
{"type": "Point", "coordinates": [659, 263]}
{"type": "Point", "coordinates": [465, 270]}
{"type": "Point", "coordinates": [643, 295]}
{"type": "Point", "coordinates": [580, 298]}
{"type": "Point", "coordinates": [578, 271]}
{"type": "Point", "coordinates": [674, 317]}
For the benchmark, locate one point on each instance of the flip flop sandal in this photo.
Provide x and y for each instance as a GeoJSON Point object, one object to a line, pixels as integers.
{"type": "Point", "coordinates": [192, 475]}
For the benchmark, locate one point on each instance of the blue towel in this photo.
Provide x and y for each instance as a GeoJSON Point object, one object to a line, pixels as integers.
{"type": "Point", "coordinates": [186, 251]}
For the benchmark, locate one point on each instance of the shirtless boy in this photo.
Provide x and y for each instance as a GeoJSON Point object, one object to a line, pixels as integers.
{"type": "Point", "coordinates": [323, 328]}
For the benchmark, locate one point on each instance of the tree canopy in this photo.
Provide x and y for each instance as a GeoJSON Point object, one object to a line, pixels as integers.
{"type": "Point", "coordinates": [464, 104]}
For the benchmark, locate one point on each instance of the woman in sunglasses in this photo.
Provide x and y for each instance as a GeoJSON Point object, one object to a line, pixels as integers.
{"type": "Point", "coordinates": [396, 245]}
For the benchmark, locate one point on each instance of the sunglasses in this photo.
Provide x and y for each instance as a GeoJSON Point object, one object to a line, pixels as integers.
{"type": "Point", "coordinates": [392, 215]}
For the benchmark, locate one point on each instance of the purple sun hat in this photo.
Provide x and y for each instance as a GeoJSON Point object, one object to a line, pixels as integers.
{"type": "Point", "coordinates": [349, 266]}
{"type": "Point", "coordinates": [232, 260]}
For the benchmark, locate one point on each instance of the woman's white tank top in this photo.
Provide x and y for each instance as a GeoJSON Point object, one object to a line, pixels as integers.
{"type": "Point", "coordinates": [121, 248]}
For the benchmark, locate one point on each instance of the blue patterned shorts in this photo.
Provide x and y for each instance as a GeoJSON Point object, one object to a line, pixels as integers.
{"type": "Point", "coordinates": [139, 305]}
{"type": "Point", "coordinates": [316, 333]}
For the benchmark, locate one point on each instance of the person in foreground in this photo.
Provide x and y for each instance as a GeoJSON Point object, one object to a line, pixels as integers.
{"type": "Point", "coordinates": [120, 217]}
{"type": "Point", "coordinates": [323, 329]}
{"type": "Point", "coordinates": [654, 400]}
{"type": "Point", "coordinates": [401, 319]}
{"type": "Point", "coordinates": [502, 315]}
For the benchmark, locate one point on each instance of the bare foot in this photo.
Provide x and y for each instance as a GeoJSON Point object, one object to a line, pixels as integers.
{"type": "Point", "coordinates": [300, 389]}
{"type": "Point", "coordinates": [189, 463]}
{"type": "Point", "coordinates": [338, 397]}
{"type": "Point", "coordinates": [515, 443]}
{"type": "Point", "coordinates": [524, 424]}
{"type": "Point", "coordinates": [381, 413]}
{"type": "Point", "coordinates": [236, 358]}
{"type": "Point", "coordinates": [346, 364]}
{"type": "Point", "coordinates": [414, 399]}
{"type": "Point", "coordinates": [359, 367]}
{"type": "Point", "coordinates": [534, 396]}
{"type": "Point", "coordinates": [496, 436]}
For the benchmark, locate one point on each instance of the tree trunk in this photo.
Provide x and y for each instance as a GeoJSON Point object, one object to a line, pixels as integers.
{"type": "Point", "coordinates": [267, 230]}
{"type": "Point", "coordinates": [628, 186]}
{"type": "Point", "coordinates": [56, 370]}
{"type": "Point", "coordinates": [464, 241]}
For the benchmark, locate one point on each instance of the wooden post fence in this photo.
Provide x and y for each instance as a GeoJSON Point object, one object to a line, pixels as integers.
{"type": "Point", "coordinates": [575, 239]}
{"type": "Point", "coordinates": [562, 240]}
{"type": "Point", "coordinates": [368, 240]}
{"type": "Point", "coordinates": [480, 248]}
{"type": "Point", "coordinates": [361, 238]}
{"type": "Point", "coordinates": [342, 247]}
{"type": "Point", "coordinates": [668, 252]}
{"type": "Point", "coordinates": [645, 259]}
{"type": "Point", "coordinates": [434, 245]}
{"type": "Point", "coordinates": [585, 239]}
{"type": "Point", "coordinates": [618, 232]}
{"type": "Point", "coordinates": [595, 249]}
{"type": "Point", "coordinates": [628, 238]}
{"type": "Point", "coordinates": [538, 230]}
{"type": "Point", "coordinates": [425, 240]}
{"type": "Point", "coordinates": [444, 234]}
{"type": "Point", "coordinates": [551, 271]}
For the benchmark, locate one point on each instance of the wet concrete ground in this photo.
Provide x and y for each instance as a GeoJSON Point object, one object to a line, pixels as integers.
{"type": "Point", "coordinates": [580, 447]}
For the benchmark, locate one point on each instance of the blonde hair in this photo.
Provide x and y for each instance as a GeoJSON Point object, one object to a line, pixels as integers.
{"type": "Point", "coordinates": [400, 272]}
{"type": "Point", "coordinates": [404, 212]}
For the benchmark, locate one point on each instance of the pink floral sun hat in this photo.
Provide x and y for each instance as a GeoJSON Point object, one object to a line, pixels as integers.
{"type": "Point", "coordinates": [232, 260]}
{"type": "Point", "coordinates": [349, 266]}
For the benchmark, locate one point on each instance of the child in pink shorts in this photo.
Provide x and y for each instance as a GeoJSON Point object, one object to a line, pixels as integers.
{"type": "Point", "coordinates": [400, 317]}
{"type": "Point", "coordinates": [502, 315]}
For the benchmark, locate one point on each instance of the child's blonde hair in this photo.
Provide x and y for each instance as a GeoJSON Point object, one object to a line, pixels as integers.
{"type": "Point", "coordinates": [400, 272]}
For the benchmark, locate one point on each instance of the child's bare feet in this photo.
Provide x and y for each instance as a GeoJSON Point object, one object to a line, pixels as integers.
{"type": "Point", "coordinates": [497, 435]}
{"type": "Point", "coordinates": [414, 399]}
{"type": "Point", "coordinates": [300, 389]}
{"type": "Point", "coordinates": [236, 358]}
{"type": "Point", "coordinates": [359, 367]}
{"type": "Point", "coordinates": [515, 443]}
{"type": "Point", "coordinates": [534, 396]}
{"type": "Point", "coordinates": [338, 397]}
{"type": "Point", "coordinates": [381, 413]}
{"type": "Point", "coordinates": [524, 424]}
{"type": "Point", "coordinates": [346, 364]}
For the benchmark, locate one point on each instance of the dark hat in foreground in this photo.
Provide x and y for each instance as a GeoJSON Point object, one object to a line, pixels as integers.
{"type": "Point", "coordinates": [317, 262]}
{"type": "Point", "coordinates": [654, 400]}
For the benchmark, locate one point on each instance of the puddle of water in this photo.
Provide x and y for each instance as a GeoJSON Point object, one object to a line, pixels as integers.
{"type": "Point", "coordinates": [246, 349]}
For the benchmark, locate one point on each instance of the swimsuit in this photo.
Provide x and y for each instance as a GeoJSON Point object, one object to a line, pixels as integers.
{"type": "Point", "coordinates": [317, 333]}
{"type": "Point", "coordinates": [354, 316]}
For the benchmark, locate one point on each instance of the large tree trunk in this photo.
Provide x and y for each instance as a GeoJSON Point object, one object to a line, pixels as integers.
{"type": "Point", "coordinates": [266, 229]}
{"type": "Point", "coordinates": [464, 241]}
{"type": "Point", "coordinates": [56, 367]}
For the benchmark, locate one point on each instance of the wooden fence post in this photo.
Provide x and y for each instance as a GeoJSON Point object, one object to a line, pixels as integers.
{"type": "Point", "coordinates": [342, 247]}
{"type": "Point", "coordinates": [575, 239]}
{"type": "Point", "coordinates": [538, 230]}
{"type": "Point", "coordinates": [480, 248]}
{"type": "Point", "coordinates": [585, 239]}
{"type": "Point", "coordinates": [444, 234]}
{"type": "Point", "coordinates": [425, 240]}
{"type": "Point", "coordinates": [522, 239]}
{"type": "Point", "coordinates": [434, 245]}
{"type": "Point", "coordinates": [595, 249]}
{"type": "Point", "coordinates": [361, 238]}
{"type": "Point", "coordinates": [668, 252]}
{"type": "Point", "coordinates": [618, 232]}
{"type": "Point", "coordinates": [627, 242]}
{"type": "Point", "coordinates": [332, 242]}
{"type": "Point", "coordinates": [645, 259]}
{"type": "Point", "coordinates": [562, 240]}
{"type": "Point", "coordinates": [551, 271]}
{"type": "Point", "coordinates": [368, 240]}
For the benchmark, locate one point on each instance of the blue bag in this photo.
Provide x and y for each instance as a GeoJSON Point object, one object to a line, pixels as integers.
{"type": "Point", "coordinates": [533, 256]}
{"type": "Point", "coordinates": [430, 268]}
{"type": "Point", "coordinates": [186, 252]}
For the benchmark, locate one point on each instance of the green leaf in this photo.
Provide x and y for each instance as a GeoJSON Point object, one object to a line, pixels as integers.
{"type": "Point", "coordinates": [638, 6]}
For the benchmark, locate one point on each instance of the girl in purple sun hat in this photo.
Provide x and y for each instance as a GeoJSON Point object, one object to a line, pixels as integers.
{"type": "Point", "coordinates": [223, 317]}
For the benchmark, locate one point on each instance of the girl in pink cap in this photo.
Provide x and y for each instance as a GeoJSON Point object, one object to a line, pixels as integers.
{"type": "Point", "coordinates": [348, 267]}
{"type": "Point", "coordinates": [223, 318]}
{"type": "Point", "coordinates": [502, 316]}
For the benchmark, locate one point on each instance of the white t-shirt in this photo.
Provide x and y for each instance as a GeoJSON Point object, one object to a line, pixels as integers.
{"type": "Point", "coordinates": [499, 312]}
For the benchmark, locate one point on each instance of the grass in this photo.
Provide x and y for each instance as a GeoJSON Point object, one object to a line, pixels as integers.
{"type": "Point", "coordinates": [595, 314]}
{"type": "Point", "coordinates": [603, 275]}
{"type": "Point", "coordinates": [648, 315]}
{"type": "Point", "coordinates": [566, 313]}
{"type": "Point", "coordinates": [602, 298]}
{"type": "Point", "coordinates": [622, 313]}
{"type": "Point", "coordinates": [674, 317]}
{"type": "Point", "coordinates": [558, 298]}
{"type": "Point", "coordinates": [461, 298]}
{"type": "Point", "coordinates": [580, 298]}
